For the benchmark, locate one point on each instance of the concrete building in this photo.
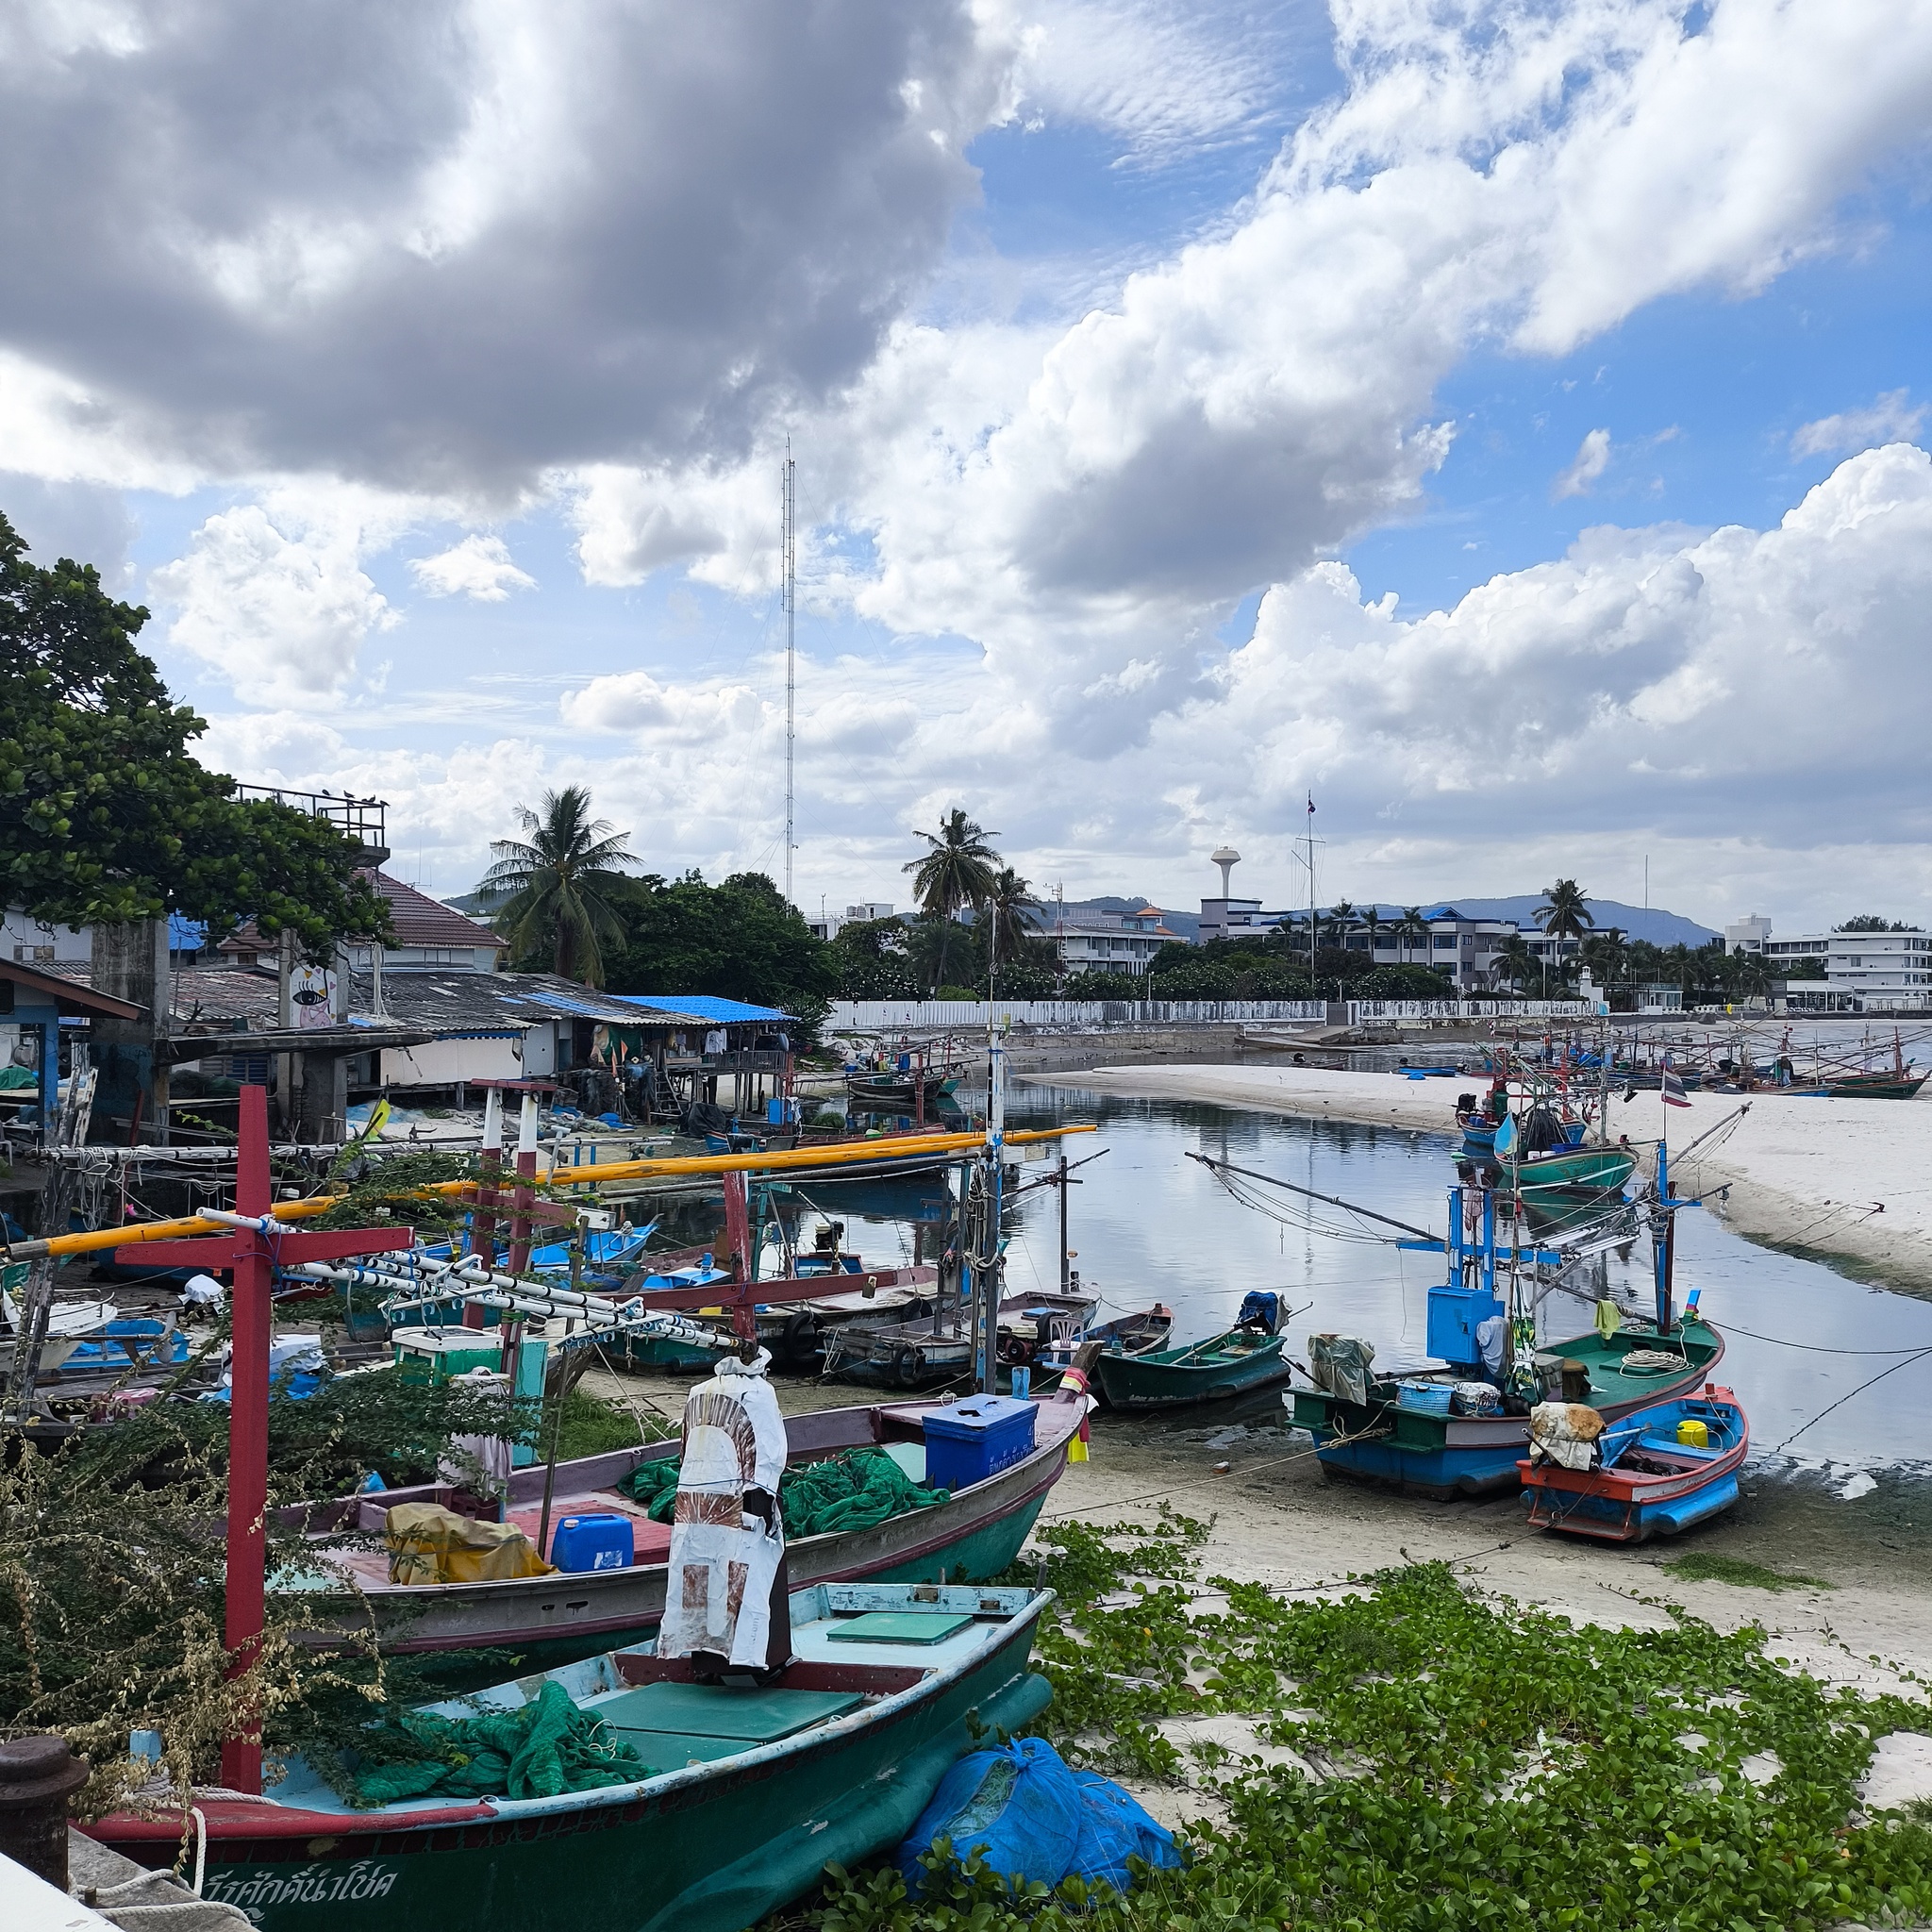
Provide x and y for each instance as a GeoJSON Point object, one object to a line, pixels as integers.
{"type": "Point", "coordinates": [1747, 935]}
{"type": "Point", "coordinates": [827, 924]}
{"type": "Point", "coordinates": [1864, 972]}
{"type": "Point", "coordinates": [1091, 942]}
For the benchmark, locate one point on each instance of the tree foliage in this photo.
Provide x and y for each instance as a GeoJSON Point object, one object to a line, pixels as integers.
{"type": "Point", "coordinates": [561, 885]}
{"type": "Point", "coordinates": [105, 816]}
{"type": "Point", "coordinates": [1565, 913]}
{"type": "Point", "coordinates": [738, 941]}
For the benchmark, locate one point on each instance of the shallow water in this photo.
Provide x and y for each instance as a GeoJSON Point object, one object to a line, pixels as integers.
{"type": "Point", "coordinates": [1150, 1226]}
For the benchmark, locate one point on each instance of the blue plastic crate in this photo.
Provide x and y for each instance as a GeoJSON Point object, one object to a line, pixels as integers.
{"type": "Point", "coordinates": [975, 1438]}
{"type": "Point", "coordinates": [593, 1542]}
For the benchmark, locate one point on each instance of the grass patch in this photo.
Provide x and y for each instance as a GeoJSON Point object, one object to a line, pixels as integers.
{"type": "Point", "coordinates": [1703, 1569]}
{"type": "Point", "coordinates": [591, 1426]}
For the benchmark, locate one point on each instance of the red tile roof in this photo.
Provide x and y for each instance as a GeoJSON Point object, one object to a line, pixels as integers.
{"type": "Point", "coordinates": [421, 921]}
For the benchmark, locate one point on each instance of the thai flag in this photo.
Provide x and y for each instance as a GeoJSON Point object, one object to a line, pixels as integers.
{"type": "Point", "coordinates": [1673, 1091]}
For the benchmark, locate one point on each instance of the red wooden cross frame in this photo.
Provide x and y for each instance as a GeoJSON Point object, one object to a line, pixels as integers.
{"type": "Point", "coordinates": [253, 1247]}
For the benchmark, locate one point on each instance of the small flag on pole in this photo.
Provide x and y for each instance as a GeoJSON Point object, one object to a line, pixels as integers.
{"type": "Point", "coordinates": [1673, 1091]}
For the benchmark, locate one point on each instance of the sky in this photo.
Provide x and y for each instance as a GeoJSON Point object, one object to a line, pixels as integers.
{"type": "Point", "coordinates": [1504, 426]}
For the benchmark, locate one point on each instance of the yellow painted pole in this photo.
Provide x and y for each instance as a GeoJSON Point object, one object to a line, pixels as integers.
{"type": "Point", "coordinates": [847, 1153]}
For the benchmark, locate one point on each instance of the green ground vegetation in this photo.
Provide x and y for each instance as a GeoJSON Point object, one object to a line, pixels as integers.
{"type": "Point", "coordinates": [1700, 1567]}
{"type": "Point", "coordinates": [1481, 1764]}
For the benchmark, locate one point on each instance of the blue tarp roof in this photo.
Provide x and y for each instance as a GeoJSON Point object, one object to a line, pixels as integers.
{"type": "Point", "coordinates": [185, 935]}
{"type": "Point", "coordinates": [704, 1006]}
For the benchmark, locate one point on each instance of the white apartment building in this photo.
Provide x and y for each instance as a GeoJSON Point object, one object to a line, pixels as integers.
{"type": "Point", "coordinates": [827, 926]}
{"type": "Point", "coordinates": [1864, 972]}
{"type": "Point", "coordinates": [1107, 942]}
{"type": "Point", "coordinates": [1468, 949]}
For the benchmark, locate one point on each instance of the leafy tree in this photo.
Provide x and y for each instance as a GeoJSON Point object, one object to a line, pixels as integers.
{"type": "Point", "coordinates": [1518, 964]}
{"type": "Point", "coordinates": [1871, 921]}
{"type": "Point", "coordinates": [105, 816]}
{"type": "Point", "coordinates": [740, 941]}
{"type": "Point", "coordinates": [957, 871]}
{"type": "Point", "coordinates": [871, 960]}
{"type": "Point", "coordinates": [1802, 969]}
{"type": "Point", "coordinates": [561, 885]}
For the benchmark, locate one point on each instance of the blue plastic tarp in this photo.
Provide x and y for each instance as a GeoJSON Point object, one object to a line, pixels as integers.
{"type": "Point", "coordinates": [1034, 1819]}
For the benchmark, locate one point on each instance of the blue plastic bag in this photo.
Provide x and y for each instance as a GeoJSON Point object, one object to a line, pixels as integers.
{"type": "Point", "coordinates": [1030, 1818]}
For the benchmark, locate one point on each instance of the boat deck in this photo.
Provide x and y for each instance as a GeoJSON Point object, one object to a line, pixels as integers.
{"type": "Point", "coordinates": [854, 1645]}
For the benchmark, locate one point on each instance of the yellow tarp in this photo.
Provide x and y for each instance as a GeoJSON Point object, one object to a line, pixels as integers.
{"type": "Point", "coordinates": [428, 1543]}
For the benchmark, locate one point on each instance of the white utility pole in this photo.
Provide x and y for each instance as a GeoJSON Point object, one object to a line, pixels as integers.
{"type": "Point", "coordinates": [790, 534]}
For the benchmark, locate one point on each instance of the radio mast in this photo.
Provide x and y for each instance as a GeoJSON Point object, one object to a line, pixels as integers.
{"type": "Point", "coordinates": [791, 537]}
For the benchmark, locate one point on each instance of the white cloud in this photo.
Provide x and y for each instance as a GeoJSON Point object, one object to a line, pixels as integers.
{"type": "Point", "coordinates": [479, 567]}
{"type": "Point", "coordinates": [634, 702]}
{"type": "Point", "coordinates": [1890, 419]}
{"type": "Point", "coordinates": [281, 618]}
{"type": "Point", "coordinates": [1592, 460]}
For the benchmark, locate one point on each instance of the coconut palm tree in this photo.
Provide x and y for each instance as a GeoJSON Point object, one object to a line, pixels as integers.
{"type": "Point", "coordinates": [556, 886]}
{"type": "Point", "coordinates": [1564, 914]}
{"type": "Point", "coordinates": [957, 871]}
{"type": "Point", "coordinates": [1409, 927]}
{"type": "Point", "coordinates": [1009, 905]}
{"type": "Point", "coordinates": [1372, 922]}
{"type": "Point", "coordinates": [1517, 961]}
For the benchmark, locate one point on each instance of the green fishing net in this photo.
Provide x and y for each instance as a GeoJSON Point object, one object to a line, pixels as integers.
{"type": "Point", "coordinates": [546, 1747]}
{"type": "Point", "coordinates": [854, 1490]}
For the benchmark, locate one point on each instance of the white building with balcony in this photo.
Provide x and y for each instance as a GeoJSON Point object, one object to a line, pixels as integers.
{"type": "Point", "coordinates": [1864, 972]}
{"type": "Point", "coordinates": [1107, 942]}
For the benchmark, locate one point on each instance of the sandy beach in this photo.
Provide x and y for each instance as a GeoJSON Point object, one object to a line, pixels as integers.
{"type": "Point", "coordinates": [1846, 1181]}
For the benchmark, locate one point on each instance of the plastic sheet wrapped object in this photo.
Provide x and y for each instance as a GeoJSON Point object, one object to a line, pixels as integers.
{"type": "Point", "coordinates": [1340, 1363]}
{"type": "Point", "coordinates": [1565, 1433]}
{"type": "Point", "coordinates": [1033, 1820]}
{"type": "Point", "coordinates": [1476, 1398]}
{"type": "Point", "coordinates": [428, 1543]}
{"type": "Point", "coordinates": [1493, 1339]}
{"type": "Point", "coordinates": [1260, 1309]}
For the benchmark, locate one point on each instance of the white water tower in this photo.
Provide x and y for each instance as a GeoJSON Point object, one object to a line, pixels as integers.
{"type": "Point", "coordinates": [1226, 858]}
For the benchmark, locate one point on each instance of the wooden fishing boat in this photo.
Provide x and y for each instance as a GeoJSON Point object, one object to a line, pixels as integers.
{"type": "Point", "coordinates": [1880, 1086]}
{"type": "Point", "coordinates": [557, 1618]}
{"type": "Point", "coordinates": [1560, 1171]}
{"type": "Point", "coordinates": [937, 1349]}
{"type": "Point", "coordinates": [1227, 1364]}
{"type": "Point", "coordinates": [1400, 1437]}
{"type": "Point", "coordinates": [1650, 1481]}
{"type": "Point", "coordinates": [898, 1093]}
{"type": "Point", "coordinates": [750, 1792]}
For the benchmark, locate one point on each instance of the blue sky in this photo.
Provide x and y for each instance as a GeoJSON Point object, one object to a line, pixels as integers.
{"type": "Point", "coordinates": [1135, 356]}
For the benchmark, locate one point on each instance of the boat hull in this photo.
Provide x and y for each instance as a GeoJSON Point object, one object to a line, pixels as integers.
{"type": "Point", "coordinates": [557, 1619]}
{"type": "Point", "coordinates": [1144, 1381]}
{"type": "Point", "coordinates": [1629, 1505]}
{"type": "Point", "coordinates": [641, 1859]}
{"type": "Point", "coordinates": [1449, 1455]}
{"type": "Point", "coordinates": [1570, 1171]}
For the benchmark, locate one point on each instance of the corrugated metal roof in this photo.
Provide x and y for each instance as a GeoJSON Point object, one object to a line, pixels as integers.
{"type": "Point", "coordinates": [704, 1005]}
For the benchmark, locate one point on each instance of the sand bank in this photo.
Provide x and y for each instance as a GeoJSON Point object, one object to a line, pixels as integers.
{"type": "Point", "coordinates": [1849, 1181]}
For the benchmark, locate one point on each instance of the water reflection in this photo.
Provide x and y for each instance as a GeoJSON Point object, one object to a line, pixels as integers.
{"type": "Point", "coordinates": [1151, 1225]}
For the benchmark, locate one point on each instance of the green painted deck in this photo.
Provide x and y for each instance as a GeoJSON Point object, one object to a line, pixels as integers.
{"type": "Point", "coordinates": [898, 1626]}
{"type": "Point", "coordinates": [715, 1710]}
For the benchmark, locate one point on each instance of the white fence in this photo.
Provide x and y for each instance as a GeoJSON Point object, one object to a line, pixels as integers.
{"type": "Point", "coordinates": [973, 1016]}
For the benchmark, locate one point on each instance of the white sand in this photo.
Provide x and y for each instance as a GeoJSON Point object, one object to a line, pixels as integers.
{"type": "Point", "coordinates": [1841, 1177]}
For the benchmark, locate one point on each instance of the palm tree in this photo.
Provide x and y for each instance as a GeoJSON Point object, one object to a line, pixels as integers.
{"type": "Point", "coordinates": [1564, 914]}
{"type": "Point", "coordinates": [1371, 925]}
{"type": "Point", "coordinates": [956, 872]}
{"type": "Point", "coordinates": [1517, 960]}
{"type": "Point", "coordinates": [1410, 927]}
{"type": "Point", "coordinates": [557, 884]}
{"type": "Point", "coordinates": [1009, 906]}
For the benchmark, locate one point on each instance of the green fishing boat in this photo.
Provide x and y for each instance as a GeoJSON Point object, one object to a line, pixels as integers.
{"type": "Point", "coordinates": [733, 1804]}
{"type": "Point", "coordinates": [1245, 1357]}
{"type": "Point", "coordinates": [1563, 1171]}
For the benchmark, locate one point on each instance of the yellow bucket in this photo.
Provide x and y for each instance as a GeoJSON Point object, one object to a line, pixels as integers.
{"type": "Point", "coordinates": [1692, 1434]}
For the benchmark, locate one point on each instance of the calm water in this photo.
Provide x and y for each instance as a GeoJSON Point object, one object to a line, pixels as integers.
{"type": "Point", "coordinates": [1150, 1226]}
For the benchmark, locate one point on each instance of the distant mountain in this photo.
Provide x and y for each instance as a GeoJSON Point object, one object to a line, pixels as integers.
{"type": "Point", "coordinates": [473, 903]}
{"type": "Point", "coordinates": [1660, 927]}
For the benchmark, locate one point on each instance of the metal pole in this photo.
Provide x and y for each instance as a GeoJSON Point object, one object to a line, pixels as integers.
{"type": "Point", "coordinates": [790, 519]}
{"type": "Point", "coordinates": [1065, 1284]}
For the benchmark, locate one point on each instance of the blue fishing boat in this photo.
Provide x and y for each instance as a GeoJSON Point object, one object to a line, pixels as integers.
{"type": "Point", "coordinates": [1651, 1474]}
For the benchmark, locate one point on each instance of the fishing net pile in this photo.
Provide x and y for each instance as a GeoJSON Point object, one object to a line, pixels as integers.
{"type": "Point", "coordinates": [854, 1490]}
{"type": "Point", "coordinates": [546, 1747]}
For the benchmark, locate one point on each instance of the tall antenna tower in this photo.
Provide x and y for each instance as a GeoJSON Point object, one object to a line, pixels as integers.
{"type": "Point", "coordinates": [791, 523]}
